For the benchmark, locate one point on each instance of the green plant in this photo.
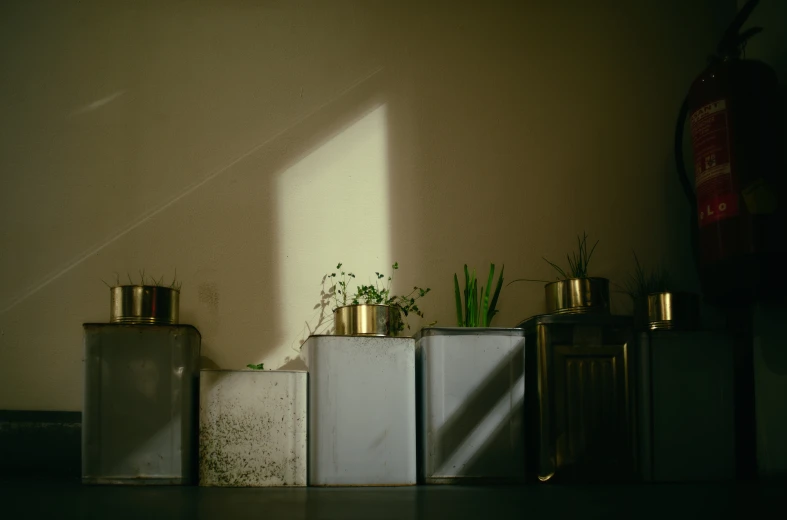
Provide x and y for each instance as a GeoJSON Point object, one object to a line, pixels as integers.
{"type": "Point", "coordinates": [642, 283]}
{"type": "Point", "coordinates": [578, 262]}
{"type": "Point", "coordinates": [339, 288]}
{"type": "Point", "coordinates": [148, 280]}
{"type": "Point", "coordinates": [378, 293]}
{"type": "Point", "coordinates": [258, 366]}
{"type": "Point", "coordinates": [477, 312]}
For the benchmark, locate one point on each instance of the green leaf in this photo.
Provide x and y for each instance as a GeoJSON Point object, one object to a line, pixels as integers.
{"type": "Point", "coordinates": [476, 306]}
{"type": "Point", "coordinates": [470, 318]}
{"type": "Point", "coordinates": [467, 297]}
{"type": "Point", "coordinates": [591, 252]}
{"type": "Point", "coordinates": [557, 268]}
{"type": "Point", "coordinates": [485, 303]}
{"type": "Point", "coordinates": [474, 298]}
{"type": "Point", "coordinates": [527, 280]}
{"type": "Point", "coordinates": [491, 312]}
{"type": "Point", "coordinates": [482, 305]}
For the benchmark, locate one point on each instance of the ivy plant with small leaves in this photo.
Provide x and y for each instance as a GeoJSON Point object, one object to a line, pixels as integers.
{"type": "Point", "coordinates": [378, 293]}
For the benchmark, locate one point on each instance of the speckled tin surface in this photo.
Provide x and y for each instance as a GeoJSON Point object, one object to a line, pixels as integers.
{"type": "Point", "coordinates": [361, 411]}
{"type": "Point", "coordinates": [252, 428]}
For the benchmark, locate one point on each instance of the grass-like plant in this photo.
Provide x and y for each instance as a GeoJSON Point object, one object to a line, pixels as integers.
{"type": "Point", "coordinates": [578, 262]}
{"type": "Point", "coordinates": [477, 311]}
{"type": "Point", "coordinates": [641, 283]}
{"type": "Point", "coordinates": [378, 293]}
{"type": "Point", "coordinates": [148, 280]}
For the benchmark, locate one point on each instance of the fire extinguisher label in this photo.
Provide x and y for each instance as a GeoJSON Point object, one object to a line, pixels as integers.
{"type": "Point", "coordinates": [716, 197]}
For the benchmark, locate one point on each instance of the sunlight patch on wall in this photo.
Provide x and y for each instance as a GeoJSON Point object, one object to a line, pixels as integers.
{"type": "Point", "coordinates": [332, 207]}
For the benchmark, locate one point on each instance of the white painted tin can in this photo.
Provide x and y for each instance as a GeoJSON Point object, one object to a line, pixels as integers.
{"type": "Point", "coordinates": [361, 411]}
{"type": "Point", "coordinates": [252, 428]}
{"type": "Point", "coordinates": [471, 390]}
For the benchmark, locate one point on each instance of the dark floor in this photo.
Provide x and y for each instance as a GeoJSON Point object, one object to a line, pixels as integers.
{"type": "Point", "coordinates": [66, 499]}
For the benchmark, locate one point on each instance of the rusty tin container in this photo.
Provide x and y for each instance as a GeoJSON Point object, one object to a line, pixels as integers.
{"type": "Point", "coordinates": [580, 419]}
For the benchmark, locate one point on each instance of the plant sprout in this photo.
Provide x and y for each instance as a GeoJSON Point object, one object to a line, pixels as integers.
{"type": "Point", "coordinates": [377, 294]}
{"type": "Point", "coordinates": [578, 262]}
{"type": "Point", "coordinates": [148, 280]}
{"type": "Point", "coordinates": [477, 312]}
{"type": "Point", "coordinates": [642, 283]}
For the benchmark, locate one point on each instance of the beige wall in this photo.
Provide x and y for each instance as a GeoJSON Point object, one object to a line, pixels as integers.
{"type": "Point", "coordinates": [252, 145]}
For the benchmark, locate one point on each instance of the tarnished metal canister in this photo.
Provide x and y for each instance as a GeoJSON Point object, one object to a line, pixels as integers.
{"type": "Point", "coordinates": [143, 304]}
{"type": "Point", "coordinates": [580, 419]}
{"type": "Point", "coordinates": [139, 418]}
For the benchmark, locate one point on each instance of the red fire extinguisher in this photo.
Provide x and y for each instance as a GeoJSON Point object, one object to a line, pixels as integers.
{"type": "Point", "coordinates": [735, 116]}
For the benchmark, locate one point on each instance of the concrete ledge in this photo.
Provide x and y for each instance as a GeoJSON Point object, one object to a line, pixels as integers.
{"type": "Point", "coordinates": [40, 444]}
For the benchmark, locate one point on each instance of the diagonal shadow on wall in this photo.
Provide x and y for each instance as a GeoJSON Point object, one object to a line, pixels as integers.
{"type": "Point", "coordinates": [278, 154]}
